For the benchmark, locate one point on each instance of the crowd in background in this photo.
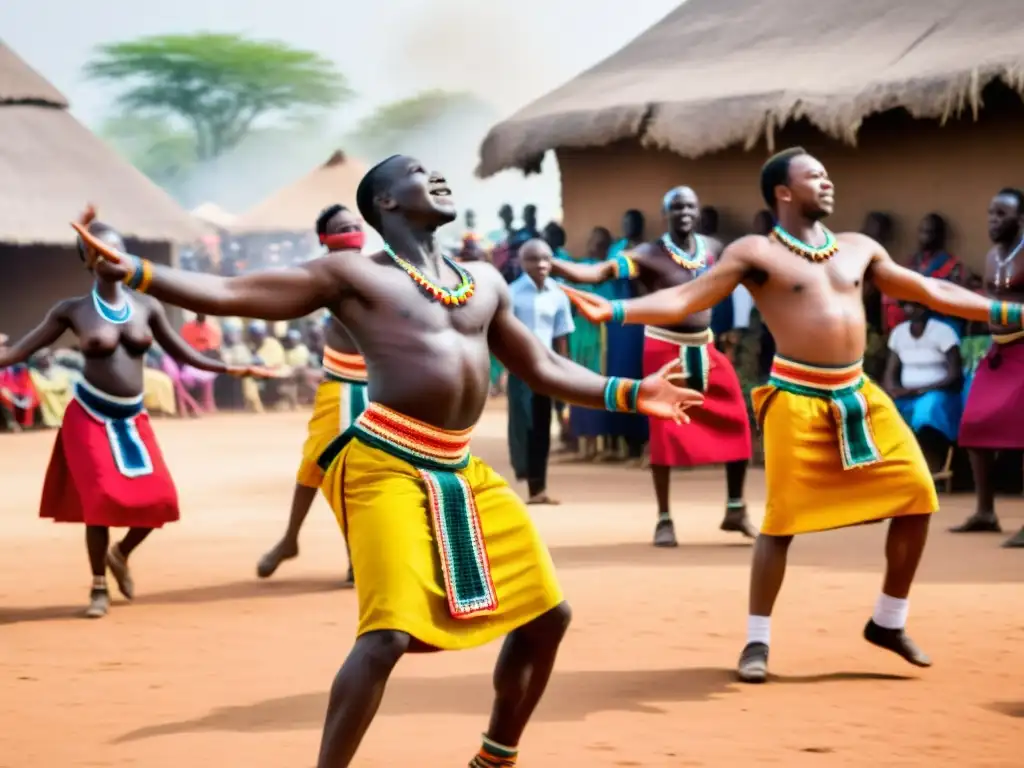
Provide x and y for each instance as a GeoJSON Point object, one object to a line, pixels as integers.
{"type": "Point", "coordinates": [924, 361]}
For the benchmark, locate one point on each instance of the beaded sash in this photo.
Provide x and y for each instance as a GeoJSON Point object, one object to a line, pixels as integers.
{"type": "Point", "coordinates": [840, 386]}
{"type": "Point", "coordinates": [694, 357]}
{"type": "Point", "coordinates": [117, 415]}
{"type": "Point", "coordinates": [438, 455]}
{"type": "Point", "coordinates": [341, 366]}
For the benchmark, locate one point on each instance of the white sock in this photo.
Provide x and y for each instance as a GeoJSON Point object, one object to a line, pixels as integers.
{"type": "Point", "coordinates": [891, 612]}
{"type": "Point", "coordinates": [99, 582]}
{"type": "Point", "coordinates": [759, 629]}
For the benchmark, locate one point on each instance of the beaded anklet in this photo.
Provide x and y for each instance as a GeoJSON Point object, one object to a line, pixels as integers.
{"type": "Point", "coordinates": [1004, 313]}
{"type": "Point", "coordinates": [618, 311]}
{"type": "Point", "coordinates": [621, 395]}
{"type": "Point", "coordinates": [140, 276]}
{"type": "Point", "coordinates": [494, 755]}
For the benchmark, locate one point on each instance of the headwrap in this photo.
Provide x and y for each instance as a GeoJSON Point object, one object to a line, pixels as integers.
{"type": "Point", "coordinates": [344, 241]}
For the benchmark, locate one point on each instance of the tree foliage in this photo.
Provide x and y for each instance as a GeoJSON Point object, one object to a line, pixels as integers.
{"type": "Point", "coordinates": [392, 124]}
{"type": "Point", "coordinates": [164, 153]}
{"type": "Point", "coordinates": [219, 85]}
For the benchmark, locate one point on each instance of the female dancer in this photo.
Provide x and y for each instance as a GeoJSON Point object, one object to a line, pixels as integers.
{"type": "Point", "coordinates": [106, 469]}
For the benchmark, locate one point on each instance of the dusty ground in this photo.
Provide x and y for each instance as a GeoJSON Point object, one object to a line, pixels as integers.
{"type": "Point", "coordinates": [212, 667]}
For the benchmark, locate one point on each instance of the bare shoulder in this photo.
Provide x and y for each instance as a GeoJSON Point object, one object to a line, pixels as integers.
{"type": "Point", "coordinates": [749, 249]}
{"type": "Point", "coordinates": [713, 244]}
{"type": "Point", "coordinates": [484, 273]}
{"type": "Point", "coordinates": [650, 248]}
{"type": "Point", "coordinates": [867, 245]}
{"type": "Point", "coordinates": [66, 307]}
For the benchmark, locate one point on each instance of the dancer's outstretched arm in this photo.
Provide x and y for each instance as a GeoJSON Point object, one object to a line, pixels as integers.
{"type": "Point", "coordinates": [179, 349]}
{"type": "Point", "coordinates": [547, 373]}
{"type": "Point", "coordinates": [43, 335]}
{"type": "Point", "coordinates": [670, 306]}
{"type": "Point", "coordinates": [278, 294]}
{"type": "Point", "coordinates": [587, 274]}
{"type": "Point", "coordinates": [940, 295]}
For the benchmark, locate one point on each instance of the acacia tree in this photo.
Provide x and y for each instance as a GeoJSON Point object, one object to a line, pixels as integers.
{"type": "Point", "coordinates": [220, 85]}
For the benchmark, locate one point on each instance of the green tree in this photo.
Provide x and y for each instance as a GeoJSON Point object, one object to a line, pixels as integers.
{"type": "Point", "coordinates": [164, 153]}
{"type": "Point", "coordinates": [219, 85]}
{"type": "Point", "coordinates": [391, 125]}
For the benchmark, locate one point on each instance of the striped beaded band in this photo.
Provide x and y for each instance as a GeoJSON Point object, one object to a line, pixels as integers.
{"type": "Point", "coordinates": [621, 395]}
{"type": "Point", "coordinates": [141, 274]}
{"type": "Point", "coordinates": [625, 267]}
{"type": "Point", "coordinates": [1004, 313]}
{"type": "Point", "coordinates": [618, 312]}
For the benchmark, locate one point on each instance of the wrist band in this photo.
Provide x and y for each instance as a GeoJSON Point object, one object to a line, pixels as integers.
{"type": "Point", "coordinates": [1004, 313]}
{"type": "Point", "coordinates": [618, 312]}
{"type": "Point", "coordinates": [621, 395]}
{"type": "Point", "coordinates": [141, 274]}
{"type": "Point", "coordinates": [625, 267]}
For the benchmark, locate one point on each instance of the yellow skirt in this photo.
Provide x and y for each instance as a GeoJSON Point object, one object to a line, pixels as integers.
{"type": "Point", "coordinates": [335, 408]}
{"type": "Point", "coordinates": [811, 485]}
{"type": "Point", "coordinates": [384, 509]}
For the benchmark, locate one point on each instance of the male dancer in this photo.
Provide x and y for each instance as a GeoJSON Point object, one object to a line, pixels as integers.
{"type": "Point", "coordinates": [993, 418]}
{"type": "Point", "coordinates": [445, 554]}
{"type": "Point", "coordinates": [837, 452]}
{"type": "Point", "coordinates": [340, 398]}
{"type": "Point", "coordinates": [720, 431]}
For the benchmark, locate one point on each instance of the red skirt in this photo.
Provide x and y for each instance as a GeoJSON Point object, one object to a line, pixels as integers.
{"type": "Point", "coordinates": [994, 414]}
{"type": "Point", "coordinates": [106, 468]}
{"type": "Point", "coordinates": [719, 431]}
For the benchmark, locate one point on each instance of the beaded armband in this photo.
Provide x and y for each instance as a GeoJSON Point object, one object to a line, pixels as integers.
{"type": "Point", "coordinates": [1004, 313]}
{"type": "Point", "coordinates": [625, 267]}
{"type": "Point", "coordinates": [141, 274]}
{"type": "Point", "coordinates": [621, 395]}
{"type": "Point", "coordinates": [618, 311]}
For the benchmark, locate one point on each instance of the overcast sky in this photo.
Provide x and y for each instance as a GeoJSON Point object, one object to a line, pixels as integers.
{"type": "Point", "coordinates": [507, 51]}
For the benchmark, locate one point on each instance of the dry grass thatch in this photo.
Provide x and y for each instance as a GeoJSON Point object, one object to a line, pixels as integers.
{"type": "Point", "coordinates": [294, 208]}
{"type": "Point", "coordinates": [213, 215]}
{"type": "Point", "coordinates": [716, 73]}
{"type": "Point", "coordinates": [52, 166]}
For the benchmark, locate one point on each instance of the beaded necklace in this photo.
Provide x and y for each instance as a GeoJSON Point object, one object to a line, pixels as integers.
{"type": "Point", "coordinates": [119, 315]}
{"type": "Point", "coordinates": [681, 257]}
{"type": "Point", "coordinates": [448, 296]}
{"type": "Point", "coordinates": [809, 252]}
{"type": "Point", "coordinates": [1003, 265]}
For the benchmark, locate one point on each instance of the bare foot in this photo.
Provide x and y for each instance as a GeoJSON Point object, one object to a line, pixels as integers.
{"type": "Point", "coordinates": [737, 521]}
{"type": "Point", "coordinates": [118, 566]}
{"type": "Point", "coordinates": [543, 498]}
{"type": "Point", "coordinates": [979, 522]}
{"type": "Point", "coordinates": [270, 562]}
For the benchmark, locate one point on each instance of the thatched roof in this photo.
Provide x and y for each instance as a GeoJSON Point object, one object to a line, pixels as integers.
{"type": "Point", "coordinates": [213, 215]}
{"type": "Point", "coordinates": [294, 208]}
{"type": "Point", "coordinates": [716, 73]}
{"type": "Point", "coordinates": [52, 167]}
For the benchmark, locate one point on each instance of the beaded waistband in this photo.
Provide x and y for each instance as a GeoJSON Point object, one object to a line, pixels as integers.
{"type": "Point", "coordinates": [823, 380]}
{"type": "Point", "coordinates": [105, 406]}
{"type": "Point", "coordinates": [698, 339]}
{"type": "Point", "coordinates": [419, 443]}
{"type": "Point", "coordinates": [342, 366]}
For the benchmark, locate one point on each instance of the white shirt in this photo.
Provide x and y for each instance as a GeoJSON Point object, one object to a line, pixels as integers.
{"type": "Point", "coordinates": [742, 305]}
{"type": "Point", "coordinates": [922, 360]}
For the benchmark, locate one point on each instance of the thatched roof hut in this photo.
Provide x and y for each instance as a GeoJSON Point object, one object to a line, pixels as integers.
{"type": "Point", "coordinates": [913, 106]}
{"type": "Point", "coordinates": [293, 209]}
{"type": "Point", "coordinates": [52, 166]}
{"type": "Point", "coordinates": [716, 73]}
{"type": "Point", "coordinates": [214, 216]}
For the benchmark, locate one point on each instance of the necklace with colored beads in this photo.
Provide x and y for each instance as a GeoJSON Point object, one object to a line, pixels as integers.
{"type": "Point", "coordinates": [117, 314]}
{"type": "Point", "coordinates": [453, 297]}
{"type": "Point", "coordinates": [681, 257]}
{"type": "Point", "coordinates": [809, 252]}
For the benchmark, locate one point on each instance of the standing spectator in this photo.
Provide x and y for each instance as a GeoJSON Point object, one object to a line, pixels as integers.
{"type": "Point", "coordinates": [541, 306]}
{"type": "Point", "coordinates": [55, 386]}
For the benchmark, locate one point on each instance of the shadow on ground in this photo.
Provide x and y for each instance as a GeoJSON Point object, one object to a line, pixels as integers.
{"type": "Point", "coordinates": [573, 696]}
{"type": "Point", "coordinates": [236, 590]}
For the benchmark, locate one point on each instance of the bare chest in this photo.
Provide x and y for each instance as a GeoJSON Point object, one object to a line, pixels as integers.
{"type": "Point", "coordinates": [98, 335]}
{"type": "Point", "coordinates": [1004, 271]}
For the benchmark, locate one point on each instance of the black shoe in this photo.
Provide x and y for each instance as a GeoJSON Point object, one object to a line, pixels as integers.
{"type": "Point", "coordinates": [897, 641]}
{"type": "Point", "coordinates": [753, 666]}
{"type": "Point", "coordinates": [99, 603]}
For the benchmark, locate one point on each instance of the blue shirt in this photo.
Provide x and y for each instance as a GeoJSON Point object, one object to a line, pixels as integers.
{"type": "Point", "coordinates": [545, 311]}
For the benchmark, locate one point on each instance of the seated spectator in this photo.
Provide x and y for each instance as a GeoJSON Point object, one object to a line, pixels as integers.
{"type": "Point", "coordinates": [298, 357]}
{"type": "Point", "coordinates": [269, 352]}
{"type": "Point", "coordinates": [18, 397]}
{"type": "Point", "coordinates": [233, 393]}
{"type": "Point", "coordinates": [923, 376]}
{"type": "Point", "coordinates": [157, 387]}
{"type": "Point", "coordinates": [55, 385]}
{"type": "Point", "coordinates": [203, 335]}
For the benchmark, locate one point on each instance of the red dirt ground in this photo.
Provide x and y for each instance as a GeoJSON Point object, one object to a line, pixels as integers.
{"type": "Point", "coordinates": [212, 667]}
